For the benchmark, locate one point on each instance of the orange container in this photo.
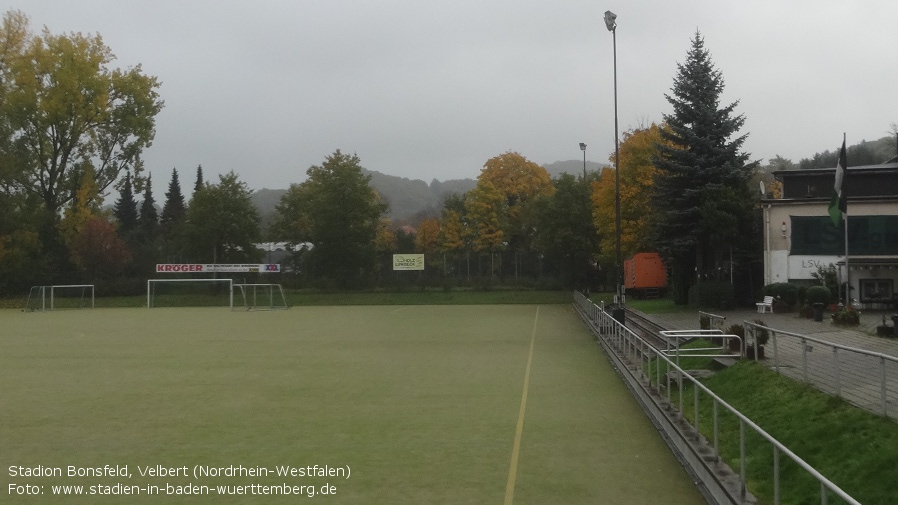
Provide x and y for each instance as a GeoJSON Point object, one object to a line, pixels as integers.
{"type": "Point", "coordinates": [644, 271]}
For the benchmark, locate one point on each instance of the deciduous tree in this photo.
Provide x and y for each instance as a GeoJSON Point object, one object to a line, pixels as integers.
{"type": "Point", "coordinates": [222, 224]}
{"type": "Point", "coordinates": [427, 240]}
{"type": "Point", "coordinates": [98, 250]}
{"type": "Point", "coordinates": [565, 232]}
{"type": "Point", "coordinates": [520, 182]}
{"type": "Point", "coordinates": [485, 207]}
{"type": "Point", "coordinates": [64, 106]}
{"type": "Point", "coordinates": [336, 210]}
{"type": "Point", "coordinates": [637, 150]}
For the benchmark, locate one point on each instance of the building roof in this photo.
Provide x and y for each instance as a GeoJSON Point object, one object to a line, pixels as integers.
{"type": "Point", "coordinates": [862, 181]}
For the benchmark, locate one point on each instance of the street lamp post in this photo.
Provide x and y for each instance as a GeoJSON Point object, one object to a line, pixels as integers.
{"type": "Point", "coordinates": [619, 299]}
{"type": "Point", "coordinates": [583, 148]}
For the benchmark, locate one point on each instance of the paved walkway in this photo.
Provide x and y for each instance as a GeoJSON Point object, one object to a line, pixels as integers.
{"type": "Point", "coordinates": [870, 382]}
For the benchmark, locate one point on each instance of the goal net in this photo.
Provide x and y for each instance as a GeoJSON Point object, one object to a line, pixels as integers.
{"type": "Point", "coordinates": [190, 293]}
{"type": "Point", "coordinates": [60, 296]}
{"type": "Point", "coordinates": [260, 296]}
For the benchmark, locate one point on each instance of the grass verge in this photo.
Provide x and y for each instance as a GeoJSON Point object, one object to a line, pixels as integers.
{"type": "Point", "coordinates": [853, 448]}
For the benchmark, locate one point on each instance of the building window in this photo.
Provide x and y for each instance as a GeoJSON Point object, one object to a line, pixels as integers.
{"type": "Point", "coordinates": [875, 290]}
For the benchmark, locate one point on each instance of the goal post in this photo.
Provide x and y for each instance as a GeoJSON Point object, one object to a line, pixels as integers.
{"type": "Point", "coordinates": [60, 296]}
{"type": "Point", "coordinates": [261, 296]}
{"type": "Point", "coordinates": [190, 298]}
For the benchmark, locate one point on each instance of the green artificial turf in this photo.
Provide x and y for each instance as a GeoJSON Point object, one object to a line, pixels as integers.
{"type": "Point", "coordinates": [420, 403]}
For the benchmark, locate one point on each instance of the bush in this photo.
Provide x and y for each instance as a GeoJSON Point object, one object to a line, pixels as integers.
{"type": "Point", "coordinates": [785, 293]}
{"type": "Point", "coordinates": [736, 329]}
{"type": "Point", "coordinates": [818, 294]}
{"type": "Point", "coordinates": [761, 336]}
{"type": "Point", "coordinates": [712, 294]}
{"type": "Point", "coordinates": [846, 317]}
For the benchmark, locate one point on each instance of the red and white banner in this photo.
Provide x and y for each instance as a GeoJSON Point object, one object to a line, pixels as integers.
{"type": "Point", "coordinates": [178, 268]}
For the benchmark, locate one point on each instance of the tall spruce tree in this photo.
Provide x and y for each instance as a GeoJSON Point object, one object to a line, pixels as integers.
{"type": "Point", "coordinates": [148, 223]}
{"type": "Point", "coordinates": [703, 205]}
{"type": "Point", "coordinates": [174, 209]}
{"type": "Point", "coordinates": [198, 185]}
{"type": "Point", "coordinates": [125, 210]}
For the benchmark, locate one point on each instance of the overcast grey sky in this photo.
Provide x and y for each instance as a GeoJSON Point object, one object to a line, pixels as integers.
{"type": "Point", "coordinates": [433, 89]}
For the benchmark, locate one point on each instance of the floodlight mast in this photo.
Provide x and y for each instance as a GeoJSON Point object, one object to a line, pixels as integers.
{"type": "Point", "coordinates": [583, 148]}
{"type": "Point", "coordinates": [619, 299]}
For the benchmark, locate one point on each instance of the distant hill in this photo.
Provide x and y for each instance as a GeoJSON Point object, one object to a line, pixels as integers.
{"type": "Point", "coordinates": [411, 200]}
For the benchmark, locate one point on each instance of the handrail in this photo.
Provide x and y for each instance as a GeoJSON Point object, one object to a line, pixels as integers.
{"type": "Point", "coordinates": [834, 368]}
{"type": "Point", "coordinates": [622, 339]}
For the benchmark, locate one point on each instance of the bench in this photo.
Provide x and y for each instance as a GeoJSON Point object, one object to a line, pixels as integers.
{"type": "Point", "coordinates": [766, 305]}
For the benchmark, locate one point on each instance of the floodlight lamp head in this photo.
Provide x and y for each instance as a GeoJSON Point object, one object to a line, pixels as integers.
{"type": "Point", "coordinates": [610, 20]}
{"type": "Point", "coordinates": [582, 146]}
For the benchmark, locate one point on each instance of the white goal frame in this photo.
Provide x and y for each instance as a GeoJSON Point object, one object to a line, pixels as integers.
{"type": "Point", "coordinates": [41, 292]}
{"type": "Point", "coordinates": [230, 283]}
{"type": "Point", "coordinates": [251, 294]}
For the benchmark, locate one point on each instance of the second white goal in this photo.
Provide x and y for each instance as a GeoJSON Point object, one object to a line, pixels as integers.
{"type": "Point", "coordinates": [259, 297]}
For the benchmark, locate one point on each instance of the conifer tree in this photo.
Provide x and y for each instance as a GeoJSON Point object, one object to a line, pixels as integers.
{"type": "Point", "coordinates": [125, 209]}
{"type": "Point", "coordinates": [199, 180]}
{"type": "Point", "coordinates": [703, 206]}
{"type": "Point", "coordinates": [149, 217]}
{"type": "Point", "coordinates": [174, 209]}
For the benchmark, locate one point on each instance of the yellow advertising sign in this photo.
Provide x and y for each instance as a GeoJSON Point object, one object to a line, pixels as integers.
{"type": "Point", "coordinates": [408, 262]}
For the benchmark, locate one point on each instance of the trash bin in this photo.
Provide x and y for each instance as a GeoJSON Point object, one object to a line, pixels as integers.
{"type": "Point", "coordinates": [618, 314]}
{"type": "Point", "coordinates": [818, 312]}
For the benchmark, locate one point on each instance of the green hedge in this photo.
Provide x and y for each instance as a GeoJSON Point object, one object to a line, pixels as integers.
{"type": "Point", "coordinates": [818, 294]}
{"type": "Point", "coordinates": [712, 294]}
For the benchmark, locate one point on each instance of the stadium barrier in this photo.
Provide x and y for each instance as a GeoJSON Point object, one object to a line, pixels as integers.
{"type": "Point", "coordinates": [628, 353]}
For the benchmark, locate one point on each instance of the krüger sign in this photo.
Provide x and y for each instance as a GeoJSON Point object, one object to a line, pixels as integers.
{"type": "Point", "coordinates": [175, 268]}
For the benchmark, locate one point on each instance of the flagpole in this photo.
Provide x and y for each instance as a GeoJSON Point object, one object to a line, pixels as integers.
{"type": "Point", "coordinates": [847, 270]}
{"type": "Point", "coordinates": [845, 215]}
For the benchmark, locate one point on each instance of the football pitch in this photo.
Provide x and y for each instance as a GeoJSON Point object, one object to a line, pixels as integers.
{"type": "Point", "coordinates": [502, 404]}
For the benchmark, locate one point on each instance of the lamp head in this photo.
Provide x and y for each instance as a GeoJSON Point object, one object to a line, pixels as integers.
{"type": "Point", "coordinates": [582, 146]}
{"type": "Point", "coordinates": [610, 20]}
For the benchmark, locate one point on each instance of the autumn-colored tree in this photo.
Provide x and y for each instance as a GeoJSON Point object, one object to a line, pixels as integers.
{"type": "Point", "coordinates": [64, 107]}
{"type": "Point", "coordinates": [637, 149]}
{"type": "Point", "coordinates": [84, 206]}
{"type": "Point", "coordinates": [427, 240]}
{"type": "Point", "coordinates": [452, 232]}
{"type": "Point", "coordinates": [98, 250]}
{"type": "Point", "coordinates": [385, 238]}
{"type": "Point", "coordinates": [520, 182]}
{"type": "Point", "coordinates": [485, 207]}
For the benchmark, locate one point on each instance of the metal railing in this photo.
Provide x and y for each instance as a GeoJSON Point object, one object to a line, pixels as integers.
{"type": "Point", "coordinates": [864, 378]}
{"type": "Point", "coordinates": [714, 320]}
{"type": "Point", "coordinates": [636, 350]}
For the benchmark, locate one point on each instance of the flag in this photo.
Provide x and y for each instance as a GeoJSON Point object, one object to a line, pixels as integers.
{"type": "Point", "coordinates": [838, 204]}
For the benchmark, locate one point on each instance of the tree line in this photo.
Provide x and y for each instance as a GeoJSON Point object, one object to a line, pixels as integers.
{"type": "Point", "coordinates": [72, 126]}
